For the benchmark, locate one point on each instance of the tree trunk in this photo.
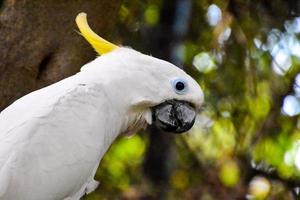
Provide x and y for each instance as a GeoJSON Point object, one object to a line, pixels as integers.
{"type": "Point", "coordinates": [39, 44]}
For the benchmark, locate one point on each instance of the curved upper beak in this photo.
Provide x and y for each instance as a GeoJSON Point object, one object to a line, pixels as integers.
{"type": "Point", "coordinates": [174, 116]}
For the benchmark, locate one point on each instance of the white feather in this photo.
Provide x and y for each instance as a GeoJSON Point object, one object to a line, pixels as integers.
{"type": "Point", "coordinates": [52, 140]}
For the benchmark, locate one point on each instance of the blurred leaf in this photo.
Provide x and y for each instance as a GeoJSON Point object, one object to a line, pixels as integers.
{"type": "Point", "coordinates": [151, 14]}
{"type": "Point", "coordinates": [229, 173]}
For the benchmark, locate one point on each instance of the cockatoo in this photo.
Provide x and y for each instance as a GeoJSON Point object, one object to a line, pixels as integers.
{"type": "Point", "coordinates": [52, 140]}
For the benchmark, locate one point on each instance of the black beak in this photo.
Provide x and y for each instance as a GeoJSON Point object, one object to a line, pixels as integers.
{"type": "Point", "coordinates": [174, 116]}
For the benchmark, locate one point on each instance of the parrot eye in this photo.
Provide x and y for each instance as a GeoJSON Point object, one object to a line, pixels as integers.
{"type": "Point", "coordinates": [179, 85]}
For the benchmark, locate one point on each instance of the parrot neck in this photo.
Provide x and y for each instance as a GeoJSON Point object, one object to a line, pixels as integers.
{"type": "Point", "coordinates": [107, 116]}
{"type": "Point", "coordinates": [114, 101]}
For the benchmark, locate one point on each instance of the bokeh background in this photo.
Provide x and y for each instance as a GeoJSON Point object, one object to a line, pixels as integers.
{"type": "Point", "coordinates": [245, 145]}
{"type": "Point", "coordinates": [245, 54]}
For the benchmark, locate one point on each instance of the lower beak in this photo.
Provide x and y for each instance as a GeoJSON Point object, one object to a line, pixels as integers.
{"type": "Point", "coordinates": [174, 116]}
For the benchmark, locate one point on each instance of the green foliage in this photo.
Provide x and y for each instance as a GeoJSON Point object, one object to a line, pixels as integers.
{"type": "Point", "coordinates": [151, 14]}
{"type": "Point", "coordinates": [229, 173]}
{"type": "Point", "coordinates": [242, 127]}
{"type": "Point", "coordinates": [120, 165]}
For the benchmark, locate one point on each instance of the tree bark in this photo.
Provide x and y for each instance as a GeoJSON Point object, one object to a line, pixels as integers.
{"type": "Point", "coordinates": [39, 44]}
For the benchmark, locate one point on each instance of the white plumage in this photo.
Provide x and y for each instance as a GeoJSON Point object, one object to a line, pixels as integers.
{"type": "Point", "coordinates": [52, 140]}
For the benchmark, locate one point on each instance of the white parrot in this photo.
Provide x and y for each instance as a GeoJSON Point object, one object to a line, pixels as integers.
{"type": "Point", "coordinates": [52, 140]}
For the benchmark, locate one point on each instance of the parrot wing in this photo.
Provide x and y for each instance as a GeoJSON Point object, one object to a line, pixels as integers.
{"type": "Point", "coordinates": [41, 152]}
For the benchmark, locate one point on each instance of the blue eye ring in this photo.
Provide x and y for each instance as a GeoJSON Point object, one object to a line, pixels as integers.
{"type": "Point", "coordinates": [179, 85]}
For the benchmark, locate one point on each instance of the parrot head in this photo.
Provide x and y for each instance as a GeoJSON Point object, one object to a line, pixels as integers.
{"type": "Point", "coordinates": [152, 90]}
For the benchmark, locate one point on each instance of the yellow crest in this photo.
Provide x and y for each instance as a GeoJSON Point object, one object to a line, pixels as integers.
{"type": "Point", "coordinates": [98, 43]}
